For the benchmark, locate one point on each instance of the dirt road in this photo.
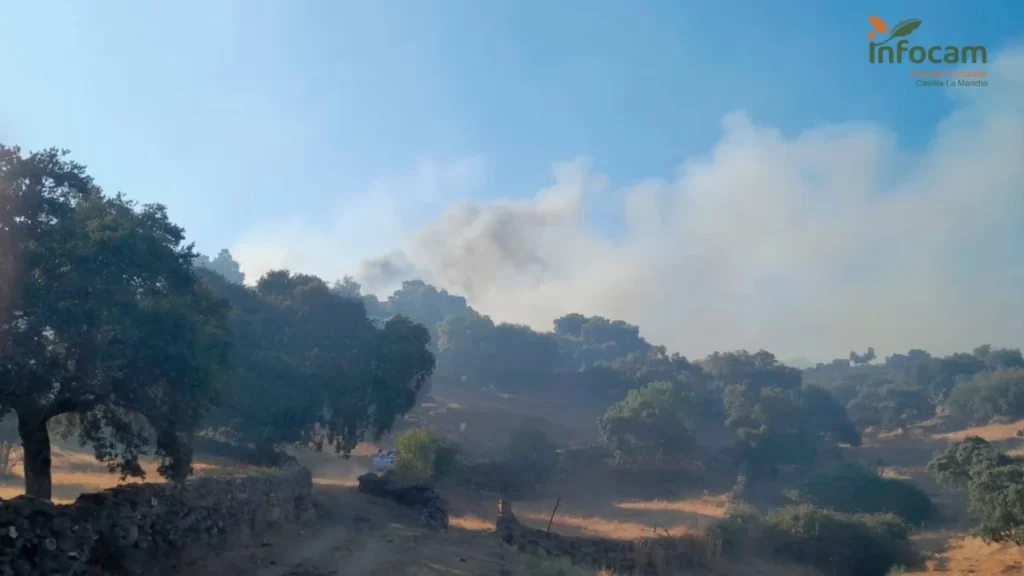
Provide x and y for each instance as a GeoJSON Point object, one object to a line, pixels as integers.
{"type": "Point", "coordinates": [359, 535]}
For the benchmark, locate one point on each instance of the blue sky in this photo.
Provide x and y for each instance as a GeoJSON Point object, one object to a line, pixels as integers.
{"type": "Point", "coordinates": [244, 116]}
{"type": "Point", "coordinates": [220, 109]}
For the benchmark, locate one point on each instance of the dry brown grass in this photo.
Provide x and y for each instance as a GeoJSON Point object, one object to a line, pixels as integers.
{"type": "Point", "coordinates": [76, 473]}
{"type": "Point", "coordinates": [974, 556]}
{"type": "Point", "coordinates": [897, 473]}
{"type": "Point", "coordinates": [950, 550]}
{"type": "Point", "coordinates": [711, 506]}
{"type": "Point", "coordinates": [571, 525]}
{"type": "Point", "coordinates": [471, 522]}
{"type": "Point", "coordinates": [992, 432]}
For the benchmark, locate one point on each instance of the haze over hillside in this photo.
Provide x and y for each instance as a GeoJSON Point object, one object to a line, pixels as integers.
{"type": "Point", "coordinates": [809, 244]}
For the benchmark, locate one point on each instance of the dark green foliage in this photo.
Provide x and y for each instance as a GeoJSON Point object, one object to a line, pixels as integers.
{"type": "Point", "coordinates": [648, 430]}
{"type": "Point", "coordinates": [311, 367]}
{"type": "Point", "coordinates": [224, 264]}
{"type": "Point", "coordinates": [909, 388]}
{"type": "Point", "coordinates": [570, 325]}
{"type": "Point", "coordinates": [613, 379]}
{"type": "Point", "coordinates": [774, 418]}
{"type": "Point", "coordinates": [530, 458]}
{"type": "Point", "coordinates": [508, 356]}
{"type": "Point", "coordinates": [770, 427]}
{"type": "Point", "coordinates": [586, 341]}
{"type": "Point", "coordinates": [852, 488]}
{"type": "Point", "coordinates": [864, 358]}
{"type": "Point", "coordinates": [890, 406]}
{"type": "Point", "coordinates": [996, 494]}
{"type": "Point", "coordinates": [958, 463]}
{"type": "Point", "coordinates": [424, 457]}
{"type": "Point", "coordinates": [828, 417]}
{"type": "Point", "coordinates": [999, 358]}
{"type": "Point", "coordinates": [840, 544]}
{"type": "Point", "coordinates": [995, 486]}
{"type": "Point", "coordinates": [426, 305]}
{"type": "Point", "coordinates": [833, 542]}
{"type": "Point", "coordinates": [102, 317]}
{"type": "Point", "coordinates": [988, 395]}
{"type": "Point", "coordinates": [751, 371]}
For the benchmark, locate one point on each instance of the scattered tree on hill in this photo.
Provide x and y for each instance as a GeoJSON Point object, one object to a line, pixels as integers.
{"type": "Point", "coordinates": [890, 406]}
{"type": "Point", "coordinates": [775, 419]}
{"type": "Point", "coordinates": [103, 317]}
{"type": "Point", "coordinates": [995, 486]}
{"type": "Point", "coordinates": [310, 366]}
{"type": "Point", "coordinates": [530, 457]}
{"type": "Point", "coordinates": [828, 417]}
{"type": "Point", "coordinates": [649, 429]}
{"type": "Point", "coordinates": [426, 304]}
{"type": "Point", "coordinates": [913, 387]}
{"type": "Point", "coordinates": [224, 264]}
{"type": "Point", "coordinates": [987, 396]}
{"type": "Point", "coordinates": [999, 358]}
{"type": "Point", "coordinates": [865, 358]}
{"type": "Point", "coordinates": [957, 464]}
{"type": "Point", "coordinates": [508, 356]}
{"type": "Point", "coordinates": [347, 287]}
{"type": "Point", "coordinates": [751, 371]}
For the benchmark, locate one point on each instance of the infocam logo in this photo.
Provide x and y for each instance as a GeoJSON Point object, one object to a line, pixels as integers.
{"type": "Point", "coordinates": [885, 53]}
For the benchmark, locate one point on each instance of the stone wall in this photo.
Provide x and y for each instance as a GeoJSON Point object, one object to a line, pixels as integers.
{"type": "Point", "coordinates": [431, 508]}
{"type": "Point", "coordinates": [138, 528]}
{"type": "Point", "coordinates": [653, 556]}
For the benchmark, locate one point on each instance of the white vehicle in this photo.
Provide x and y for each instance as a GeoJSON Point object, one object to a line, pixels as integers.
{"type": "Point", "coordinates": [384, 461]}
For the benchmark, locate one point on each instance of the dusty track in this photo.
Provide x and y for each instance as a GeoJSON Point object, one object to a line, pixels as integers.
{"type": "Point", "coordinates": [358, 535]}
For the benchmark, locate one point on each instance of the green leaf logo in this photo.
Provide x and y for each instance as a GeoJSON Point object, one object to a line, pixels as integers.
{"type": "Point", "coordinates": [903, 28]}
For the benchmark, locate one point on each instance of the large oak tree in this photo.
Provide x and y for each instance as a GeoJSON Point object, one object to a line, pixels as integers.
{"type": "Point", "coordinates": [311, 367]}
{"type": "Point", "coordinates": [101, 317]}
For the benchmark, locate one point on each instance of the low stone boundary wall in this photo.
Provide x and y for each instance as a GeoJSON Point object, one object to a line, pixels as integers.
{"type": "Point", "coordinates": [423, 499]}
{"type": "Point", "coordinates": [137, 528]}
{"type": "Point", "coordinates": [654, 556]}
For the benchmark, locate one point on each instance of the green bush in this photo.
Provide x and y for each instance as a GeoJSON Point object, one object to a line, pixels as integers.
{"type": "Point", "coordinates": [837, 543]}
{"type": "Point", "coordinates": [834, 543]}
{"type": "Point", "coordinates": [852, 488]}
{"type": "Point", "coordinates": [989, 395]}
{"type": "Point", "coordinates": [423, 457]}
{"type": "Point", "coordinates": [530, 457]}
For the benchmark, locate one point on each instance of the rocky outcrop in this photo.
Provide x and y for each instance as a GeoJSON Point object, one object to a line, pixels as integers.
{"type": "Point", "coordinates": [135, 529]}
{"type": "Point", "coordinates": [423, 499]}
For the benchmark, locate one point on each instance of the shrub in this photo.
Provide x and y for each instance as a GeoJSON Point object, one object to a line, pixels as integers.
{"type": "Point", "coordinates": [423, 457]}
{"type": "Point", "coordinates": [837, 543]}
{"type": "Point", "coordinates": [648, 429]}
{"type": "Point", "coordinates": [852, 488]}
{"type": "Point", "coordinates": [954, 466]}
{"type": "Point", "coordinates": [995, 486]}
{"type": "Point", "coordinates": [989, 395]}
{"type": "Point", "coordinates": [834, 543]}
{"type": "Point", "coordinates": [530, 458]}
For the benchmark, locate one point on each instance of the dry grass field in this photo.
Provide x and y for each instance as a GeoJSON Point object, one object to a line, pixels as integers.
{"type": "Point", "coordinates": [76, 471]}
{"type": "Point", "coordinates": [951, 551]}
{"type": "Point", "coordinates": [361, 532]}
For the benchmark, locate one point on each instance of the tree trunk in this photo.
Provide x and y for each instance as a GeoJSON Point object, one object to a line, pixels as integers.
{"type": "Point", "coordinates": [35, 441]}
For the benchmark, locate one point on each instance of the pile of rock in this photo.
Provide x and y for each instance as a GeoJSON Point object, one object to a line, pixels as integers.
{"type": "Point", "coordinates": [134, 529]}
{"type": "Point", "coordinates": [431, 508]}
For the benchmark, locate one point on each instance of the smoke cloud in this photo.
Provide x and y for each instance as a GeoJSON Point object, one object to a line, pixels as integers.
{"type": "Point", "coordinates": [813, 245]}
